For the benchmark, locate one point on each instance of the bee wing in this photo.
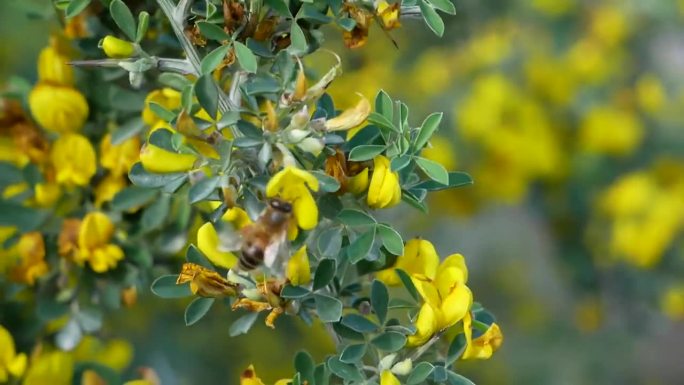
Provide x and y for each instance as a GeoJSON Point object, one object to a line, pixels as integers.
{"type": "Point", "coordinates": [273, 250]}
{"type": "Point", "coordinates": [229, 239]}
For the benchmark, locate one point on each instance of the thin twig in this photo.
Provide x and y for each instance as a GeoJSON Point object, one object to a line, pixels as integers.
{"type": "Point", "coordinates": [180, 66]}
{"type": "Point", "coordinates": [427, 346]}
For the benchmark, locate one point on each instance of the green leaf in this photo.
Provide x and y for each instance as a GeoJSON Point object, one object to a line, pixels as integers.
{"type": "Point", "coordinates": [414, 201]}
{"type": "Point", "coordinates": [382, 122]}
{"type": "Point", "coordinates": [345, 371]}
{"type": "Point", "coordinates": [245, 57]}
{"type": "Point", "coordinates": [434, 170]}
{"type": "Point", "coordinates": [327, 183]}
{"type": "Point", "coordinates": [24, 218]}
{"type": "Point", "coordinates": [391, 239]}
{"type": "Point", "coordinates": [359, 323]}
{"type": "Point", "coordinates": [427, 129]}
{"type": "Point", "coordinates": [456, 179]}
{"type": "Point", "coordinates": [127, 130]}
{"type": "Point", "coordinates": [90, 319]}
{"type": "Point", "coordinates": [132, 197]}
{"type": "Point", "coordinates": [419, 373]}
{"type": "Point", "coordinates": [329, 242]}
{"type": "Point", "coordinates": [431, 17]}
{"type": "Point", "coordinates": [142, 178]}
{"type": "Point", "coordinates": [162, 111]}
{"type": "Point", "coordinates": [123, 18]}
{"type": "Point", "coordinates": [309, 11]}
{"type": "Point", "coordinates": [439, 374]}
{"type": "Point", "coordinates": [75, 7]}
{"type": "Point", "coordinates": [207, 94]}
{"type": "Point", "coordinates": [212, 31]}
{"type": "Point", "coordinates": [298, 45]}
{"type": "Point", "coordinates": [197, 309]}
{"type": "Point", "coordinates": [203, 189]}
{"type": "Point", "coordinates": [155, 214]}
{"type": "Point", "coordinates": [383, 105]}
{"type": "Point", "coordinates": [351, 217]}
{"type": "Point", "coordinates": [176, 81]}
{"type": "Point", "coordinates": [329, 309]}
{"type": "Point", "coordinates": [408, 283]}
{"type": "Point", "coordinates": [457, 379]}
{"type": "Point", "coordinates": [389, 341]}
{"type": "Point", "coordinates": [242, 324]}
{"type": "Point", "coordinates": [456, 349]}
{"type": "Point", "coordinates": [325, 272]}
{"type": "Point", "coordinates": [365, 152]}
{"type": "Point", "coordinates": [321, 375]}
{"type": "Point", "coordinates": [280, 6]}
{"type": "Point", "coordinates": [361, 246]}
{"type": "Point", "coordinates": [347, 333]}
{"type": "Point", "coordinates": [143, 23]}
{"type": "Point", "coordinates": [379, 300]}
{"type": "Point", "coordinates": [444, 5]}
{"type": "Point", "coordinates": [353, 353]}
{"type": "Point", "coordinates": [213, 59]}
{"type": "Point", "coordinates": [165, 287]}
{"type": "Point", "coordinates": [400, 162]}
{"type": "Point", "coordinates": [294, 292]}
{"type": "Point", "coordinates": [194, 255]}
{"type": "Point", "coordinates": [304, 365]}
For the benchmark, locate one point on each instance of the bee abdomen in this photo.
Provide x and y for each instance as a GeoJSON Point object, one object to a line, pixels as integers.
{"type": "Point", "coordinates": [251, 258]}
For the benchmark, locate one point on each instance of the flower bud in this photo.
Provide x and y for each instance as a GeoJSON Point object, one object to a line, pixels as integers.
{"type": "Point", "coordinates": [116, 48]}
{"type": "Point", "coordinates": [387, 378]}
{"type": "Point", "coordinates": [403, 368]}
{"type": "Point", "coordinates": [300, 119]}
{"type": "Point", "coordinates": [387, 361]}
{"type": "Point", "coordinates": [312, 145]}
{"type": "Point", "coordinates": [384, 190]}
{"type": "Point", "coordinates": [296, 136]}
{"type": "Point", "coordinates": [57, 108]}
{"type": "Point", "coordinates": [74, 160]}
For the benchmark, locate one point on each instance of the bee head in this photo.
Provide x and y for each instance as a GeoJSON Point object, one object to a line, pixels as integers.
{"type": "Point", "coordinates": [280, 205]}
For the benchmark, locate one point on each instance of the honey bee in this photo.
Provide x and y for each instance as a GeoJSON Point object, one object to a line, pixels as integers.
{"type": "Point", "coordinates": [262, 241]}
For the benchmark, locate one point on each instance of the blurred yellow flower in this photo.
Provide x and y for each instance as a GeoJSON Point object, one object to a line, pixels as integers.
{"type": "Point", "coordinates": [249, 377]}
{"type": "Point", "coordinates": [57, 108]}
{"type": "Point", "coordinates": [447, 299]}
{"type": "Point", "coordinates": [55, 368]}
{"type": "Point", "coordinates": [441, 151]}
{"type": "Point", "coordinates": [609, 24]}
{"type": "Point", "coordinates": [388, 378]}
{"type": "Point", "coordinates": [108, 188]}
{"type": "Point", "coordinates": [483, 346]}
{"type": "Point", "coordinates": [117, 48]}
{"type": "Point", "coordinates": [672, 302]}
{"type": "Point", "coordinates": [94, 243]}
{"type": "Point", "coordinates": [46, 194]}
{"type": "Point", "coordinates": [554, 7]}
{"type": "Point", "coordinates": [53, 67]}
{"type": "Point", "coordinates": [119, 158]}
{"type": "Point", "coordinates": [116, 354]}
{"type": "Point", "coordinates": [295, 185]}
{"type": "Point", "coordinates": [298, 269]}
{"type": "Point", "coordinates": [384, 189]}
{"type": "Point", "coordinates": [11, 363]}
{"type": "Point", "coordinates": [650, 94]}
{"type": "Point", "coordinates": [31, 252]}
{"type": "Point", "coordinates": [165, 97]}
{"type": "Point", "coordinates": [420, 257]}
{"type": "Point", "coordinates": [611, 131]}
{"type": "Point", "coordinates": [73, 157]}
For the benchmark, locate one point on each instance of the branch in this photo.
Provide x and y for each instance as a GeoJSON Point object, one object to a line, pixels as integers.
{"type": "Point", "coordinates": [427, 346]}
{"type": "Point", "coordinates": [179, 66]}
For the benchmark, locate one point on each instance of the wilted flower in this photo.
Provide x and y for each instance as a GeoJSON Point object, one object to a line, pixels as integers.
{"type": "Point", "coordinates": [205, 282]}
{"type": "Point", "coordinates": [73, 157]}
{"type": "Point", "coordinates": [293, 185]}
{"type": "Point", "coordinates": [31, 252]}
{"type": "Point", "coordinates": [384, 190]}
{"type": "Point", "coordinates": [94, 243]}
{"type": "Point", "coordinates": [350, 118]}
{"type": "Point", "coordinates": [389, 14]}
{"type": "Point", "coordinates": [57, 108]}
{"type": "Point", "coordinates": [358, 36]}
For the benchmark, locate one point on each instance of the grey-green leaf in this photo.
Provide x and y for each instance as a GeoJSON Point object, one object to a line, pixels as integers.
{"type": "Point", "coordinates": [353, 353]}
{"type": "Point", "coordinates": [329, 309]}
{"type": "Point", "coordinates": [213, 59]}
{"type": "Point", "coordinates": [359, 323]}
{"type": "Point", "coordinates": [379, 300]}
{"type": "Point", "coordinates": [304, 364]}
{"type": "Point", "coordinates": [391, 239]}
{"type": "Point", "coordinates": [389, 341]}
{"type": "Point", "coordinates": [75, 7]}
{"type": "Point", "coordinates": [165, 287]}
{"type": "Point", "coordinates": [212, 31]}
{"type": "Point", "coordinates": [203, 189]}
{"type": "Point", "coordinates": [434, 170]}
{"type": "Point", "coordinates": [345, 371]}
{"type": "Point", "coordinates": [207, 94]}
{"type": "Point", "coordinates": [383, 105]}
{"type": "Point", "coordinates": [419, 373]}
{"type": "Point", "coordinates": [351, 217]}
{"type": "Point", "coordinates": [197, 309]}
{"type": "Point", "coordinates": [131, 197]}
{"type": "Point", "coordinates": [294, 292]}
{"type": "Point", "coordinates": [143, 23]}
{"type": "Point", "coordinates": [365, 152]}
{"type": "Point", "coordinates": [325, 272]}
{"type": "Point", "coordinates": [427, 129]}
{"type": "Point", "coordinates": [408, 283]}
{"type": "Point", "coordinates": [361, 246]}
{"type": "Point", "coordinates": [445, 6]}
{"type": "Point", "coordinates": [432, 19]}
{"type": "Point", "coordinates": [123, 18]}
{"type": "Point", "coordinates": [243, 324]}
{"type": "Point", "coordinates": [247, 59]}
{"type": "Point", "coordinates": [298, 45]}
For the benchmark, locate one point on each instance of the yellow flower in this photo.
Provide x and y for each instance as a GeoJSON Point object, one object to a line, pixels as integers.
{"type": "Point", "coordinates": [420, 257]}
{"type": "Point", "coordinates": [358, 183]}
{"type": "Point", "coordinates": [56, 368]}
{"type": "Point", "coordinates": [31, 252]}
{"type": "Point", "coordinates": [292, 185]}
{"type": "Point", "coordinates": [650, 93]}
{"type": "Point", "coordinates": [53, 67]}
{"type": "Point", "coordinates": [672, 302]}
{"type": "Point", "coordinates": [249, 377]}
{"type": "Point", "coordinates": [11, 363]}
{"type": "Point", "coordinates": [387, 378]}
{"type": "Point", "coordinates": [158, 160]}
{"type": "Point", "coordinates": [208, 242]}
{"type": "Point", "coordinates": [46, 194]}
{"type": "Point", "coordinates": [483, 346]}
{"type": "Point", "coordinates": [94, 247]}
{"type": "Point", "coordinates": [298, 269]}
{"type": "Point", "coordinates": [609, 24]}
{"type": "Point", "coordinates": [8, 256]}
{"type": "Point", "coordinates": [108, 188]}
{"type": "Point", "coordinates": [389, 15]}
{"type": "Point", "coordinates": [384, 190]}
{"type": "Point", "coordinates": [447, 299]}
{"type": "Point", "coordinates": [350, 118]}
{"type": "Point", "coordinates": [237, 216]}
{"type": "Point", "coordinates": [608, 130]}
{"type": "Point", "coordinates": [74, 160]}
{"type": "Point", "coordinates": [119, 158]}
{"type": "Point", "coordinates": [166, 97]}
{"type": "Point", "coordinates": [57, 108]}
{"type": "Point", "coordinates": [138, 382]}
{"type": "Point", "coordinates": [116, 353]}
{"type": "Point", "coordinates": [117, 48]}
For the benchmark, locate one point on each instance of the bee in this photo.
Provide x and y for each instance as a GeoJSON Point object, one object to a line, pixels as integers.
{"type": "Point", "coordinates": [262, 241]}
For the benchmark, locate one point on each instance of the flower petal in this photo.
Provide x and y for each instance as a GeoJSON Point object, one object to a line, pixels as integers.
{"type": "Point", "coordinates": [208, 243]}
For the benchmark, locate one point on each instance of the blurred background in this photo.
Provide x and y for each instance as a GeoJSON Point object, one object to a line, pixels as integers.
{"type": "Point", "coordinates": [568, 114]}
